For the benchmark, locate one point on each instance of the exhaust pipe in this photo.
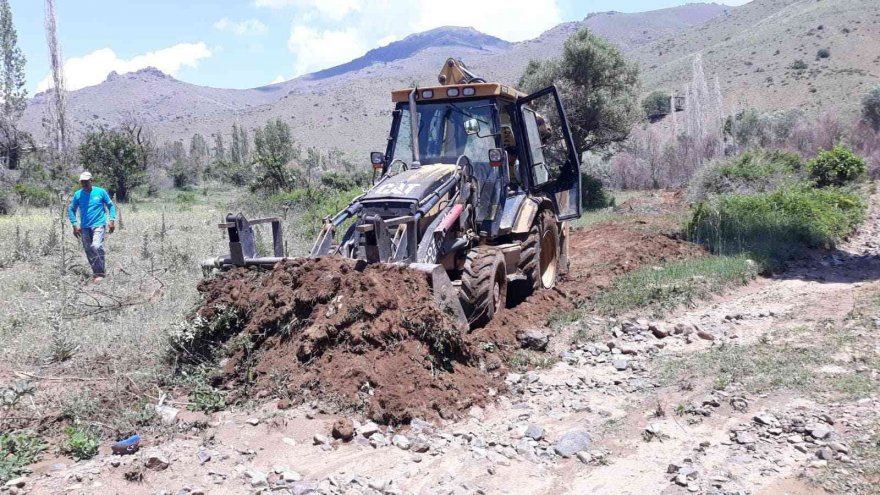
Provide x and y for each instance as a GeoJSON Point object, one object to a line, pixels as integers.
{"type": "Point", "coordinates": [414, 128]}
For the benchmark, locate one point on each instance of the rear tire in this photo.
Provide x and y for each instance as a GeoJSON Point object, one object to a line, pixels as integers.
{"type": "Point", "coordinates": [548, 265]}
{"type": "Point", "coordinates": [483, 285]}
{"type": "Point", "coordinates": [539, 258]}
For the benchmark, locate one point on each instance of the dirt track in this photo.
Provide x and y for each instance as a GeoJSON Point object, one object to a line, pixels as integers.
{"type": "Point", "coordinates": [640, 421]}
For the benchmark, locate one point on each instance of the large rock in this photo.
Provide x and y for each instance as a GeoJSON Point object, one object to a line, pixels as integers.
{"type": "Point", "coordinates": [533, 339]}
{"type": "Point", "coordinates": [343, 429]}
{"type": "Point", "coordinates": [571, 443]}
{"type": "Point", "coordinates": [401, 442]}
{"type": "Point", "coordinates": [167, 414]}
{"type": "Point", "coordinates": [534, 432]}
{"type": "Point", "coordinates": [157, 462]}
{"type": "Point", "coordinates": [368, 429]}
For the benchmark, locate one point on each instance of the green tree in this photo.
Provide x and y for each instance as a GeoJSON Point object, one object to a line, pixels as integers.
{"type": "Point", "coordinates": [239, 150]}
{"type": "Point", "coordinates": [656, 103]}
{"type": "Point", "coordinates": [199, 155]}
{"type": "Point", "coordinates": [116, 160]}
{"type": "Point", "coordinates": [275, 149]}
{"type": "Point", "coordinates": [13, 93]}
{"type": "Point", "coordinates": [598, 86]}
{"type": "Point", "coordinates": [871, 108]}
{"type": "Point", "coordinates": [219, 148]}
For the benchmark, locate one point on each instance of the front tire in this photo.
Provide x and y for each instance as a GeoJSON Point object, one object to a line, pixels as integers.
{"type": "Point", "coordinates": [483, 285]}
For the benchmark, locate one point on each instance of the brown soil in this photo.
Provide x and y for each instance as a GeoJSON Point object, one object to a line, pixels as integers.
{"type": "Point", "coordinates": [371, 337]}
{"type": "Point", "coordinates": [337, 330]}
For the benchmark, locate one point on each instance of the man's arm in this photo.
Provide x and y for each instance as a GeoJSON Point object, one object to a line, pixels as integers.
{"type": "Point", "coordinates": [71, 213]}
{"type": "Point", "coordinates": [112, 208]}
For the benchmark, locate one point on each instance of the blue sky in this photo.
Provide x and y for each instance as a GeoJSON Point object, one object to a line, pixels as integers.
{"type": "Point", "coordinates": [249, 43]}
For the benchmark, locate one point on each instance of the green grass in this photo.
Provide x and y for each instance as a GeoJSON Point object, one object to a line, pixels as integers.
{"type": "Point", "coordinates": [758, 368]}
{"type": "Point", "coordinates": [661, 288]}
{"type": "Point", "coordinates": [773, 225]}
{"type": "Point", "coordinates": [602, 215]}
{"type": "Point", "coordinates": [789, 360]}
{"type": "Point", "coordinates": [654, 290]}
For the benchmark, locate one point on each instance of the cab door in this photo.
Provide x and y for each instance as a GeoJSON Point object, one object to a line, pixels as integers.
{"type": "Point", "coordinates": [553, 168]}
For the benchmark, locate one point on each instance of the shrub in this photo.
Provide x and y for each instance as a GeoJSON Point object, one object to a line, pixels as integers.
{"type": "Point", "coordinates": [836, 167]}
{"type": "Point", "coordinates": [182, 175]}
{"type": "Point", "coordinates": [81, 443]}
{"type": "Point", "coordinates": [594, 196]}
{"type": "Point", "coordinates": [17, 451]}
{"type": "Point", "coordinates": [823, 53]}
{"type": "Point", "coordinates": [656, 103]}
{"type": "Point", "coordinates": [338, 181]}
{"type": "Point", "coordinates": [31, 195]}
{"type": "Point", "coordinates": [799, 65]}
{"type": "Point", "coordinates": [871, 108]}
{"type": "Point", "coordinates": [774, 224]}
{"type": "Point", "coordinates": [752, 172]}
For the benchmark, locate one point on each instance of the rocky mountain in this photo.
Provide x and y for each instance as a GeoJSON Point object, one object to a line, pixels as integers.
{"type": "Point", "coordinates": [767, 54]}
{"type": "Point", "coordinates": [447, 37]}
{"type": "Point", "coordinates": [777, 54]}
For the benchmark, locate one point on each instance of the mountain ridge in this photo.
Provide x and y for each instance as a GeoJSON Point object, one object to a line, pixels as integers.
{"type": "Point", "coordinates": [319, 106]}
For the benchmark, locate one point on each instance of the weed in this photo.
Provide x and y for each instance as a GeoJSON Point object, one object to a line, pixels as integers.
{"type": "Point", "coordinates": [524, 360]}
{"type": "Point", "coordinates": [659, 412]}
{"type": "Point", "coordinates": [203, 396]}
{"type": "Point", "coordinates": [62, 346]}
{"type": "Point", "coordinates": [79, 406]}
{"type": "Point", "coordinates": [81, 443]}
{"type": "Point", "coordinates": [17, 451]}
{"type": "Point", "coordinates": [195, 339]}
{"type": "Point", "coordinates": [139, 416]}
{"type": "Point", "coordinates": [10, 398]}
{"type": "Point", "coordinates": [855, 385]}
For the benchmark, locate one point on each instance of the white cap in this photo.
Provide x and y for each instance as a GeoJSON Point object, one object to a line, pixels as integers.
{"type": "Point", "coordinates": [85, 176]}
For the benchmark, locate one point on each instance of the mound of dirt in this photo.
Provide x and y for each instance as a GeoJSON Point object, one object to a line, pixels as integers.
{"type": "Point", "coordinates": [360, 336]}
{"type": "Point", "coordinates": [371, 337]}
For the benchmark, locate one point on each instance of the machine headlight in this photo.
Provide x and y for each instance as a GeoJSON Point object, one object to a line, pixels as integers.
{"type": "Point", "coordinates": [496, 157]}
{"type": "Point", "coordinates": [452, 92]}
{"type": "Point", "coordinates": [469, 91]}
{"type": "Point", "coordinates": [427, 94]}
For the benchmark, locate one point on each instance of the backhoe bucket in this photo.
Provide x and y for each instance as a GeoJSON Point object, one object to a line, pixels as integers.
{"type": "Point", "coordinates": [445, 294]}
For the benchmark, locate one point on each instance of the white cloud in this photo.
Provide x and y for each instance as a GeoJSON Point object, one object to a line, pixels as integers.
{"type": "Point", "coordinates": [278, 79]}
{"type": "Point", "coordinates": [93, 68]}
{"type": "Point", "coordinates": [331, 9]}
{"type": "Point", "coordinates": [249, 27]}
{"type": "Point", "coordinates": [315, 50]}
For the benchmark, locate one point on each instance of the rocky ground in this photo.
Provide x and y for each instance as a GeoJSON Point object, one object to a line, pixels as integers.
{"type": "Point", "coordinates": [772, 388]}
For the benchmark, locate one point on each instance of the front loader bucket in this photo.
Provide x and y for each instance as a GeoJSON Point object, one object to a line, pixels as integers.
{"type": "Point", "coordinates": [445, 294]}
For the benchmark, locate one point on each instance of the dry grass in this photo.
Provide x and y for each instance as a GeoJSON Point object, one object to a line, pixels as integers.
{"type": "Point", "coordinates": [104, 342]}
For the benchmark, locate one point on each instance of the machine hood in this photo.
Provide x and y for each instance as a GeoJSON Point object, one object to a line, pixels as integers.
{"type": "Point", "coordinates": [412, 185]}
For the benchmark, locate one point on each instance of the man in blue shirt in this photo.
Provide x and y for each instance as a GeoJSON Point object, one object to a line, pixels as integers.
{"type": "Point", "coordinates": [90, 201]}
